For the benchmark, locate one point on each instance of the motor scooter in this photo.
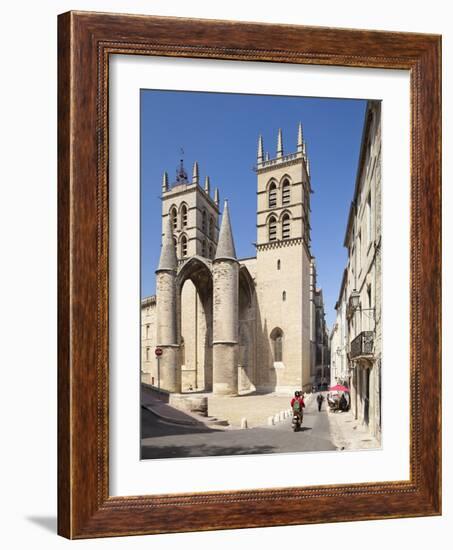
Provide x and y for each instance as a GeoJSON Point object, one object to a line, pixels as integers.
{"type": "Point", "coordinates": [296, 421]}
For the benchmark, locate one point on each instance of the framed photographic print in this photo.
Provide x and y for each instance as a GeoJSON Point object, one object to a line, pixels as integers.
{"type": "Point", "coordinates": [249, 275]}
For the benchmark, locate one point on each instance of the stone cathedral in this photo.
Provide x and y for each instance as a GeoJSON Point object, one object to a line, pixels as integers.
{"type": "Point", "coordinates": [226, 324]}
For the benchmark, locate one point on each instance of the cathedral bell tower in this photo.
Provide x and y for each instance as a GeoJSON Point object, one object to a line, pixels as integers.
{"type": "Point", "coordinates": [190, 217]}
{"type": "Point", "coordinates": [283, 194]}
{"type": "Point", "coordinates": [283, 264]}
{"type": "Point", "coordinates": [193, 213]}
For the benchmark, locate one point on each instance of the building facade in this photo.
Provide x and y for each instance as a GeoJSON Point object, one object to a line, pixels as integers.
{"type": "Point", "coordinates": [339, 364]}
{"type": "Point", "coordinates": [357, 337]}
{"type": "Point", "coordinates": [319, 338]}
{"type": "Point", "coordinates": [227, 324]}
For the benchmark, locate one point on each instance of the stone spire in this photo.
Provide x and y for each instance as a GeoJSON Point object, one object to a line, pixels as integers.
{"type": "Point", "coordinates": [260, 155]}
{"type": "Point", "coordinates": [300, 139]}
{"type": "Point", "coordinates": [216, 196]}
{"type": "Point", "coordinates": [268, 157]}
{"type": "Point", "coordinates": [279, 144]}
{"type": "Point", "coordinates": [225, 246]}
{"type": "Point", "coordinates": [164, 182]}
{"type": "Point", "coordinates": [195, 174]}
{"type": "Point", "coordinates": [207, 185]}
{"type": "Point", "coordinates": [168, 260]}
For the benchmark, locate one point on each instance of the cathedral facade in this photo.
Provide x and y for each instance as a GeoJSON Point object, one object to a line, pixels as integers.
{"type": "Point", "coordinates": [226, 324]}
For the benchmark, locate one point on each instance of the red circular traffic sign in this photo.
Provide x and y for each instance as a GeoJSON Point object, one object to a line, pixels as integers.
{"type": "Point", "coordinates": [158, 351]}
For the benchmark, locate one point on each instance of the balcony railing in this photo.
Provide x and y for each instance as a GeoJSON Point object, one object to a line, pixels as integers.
{"type": "Point", "coordinates": [362, 345]}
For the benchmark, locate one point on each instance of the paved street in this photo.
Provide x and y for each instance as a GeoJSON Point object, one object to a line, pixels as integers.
{"type": "Point", "coordinates": [162, 439]}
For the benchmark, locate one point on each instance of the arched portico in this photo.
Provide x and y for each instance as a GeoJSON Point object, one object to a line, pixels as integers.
{"type": "Point", "coordinates": [194, 322]}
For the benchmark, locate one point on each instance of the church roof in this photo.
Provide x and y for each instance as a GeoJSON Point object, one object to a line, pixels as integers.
{"type": "Point", "coordinates": [225, 246]}
{"type": "Point", "coordinates": [168, 258]}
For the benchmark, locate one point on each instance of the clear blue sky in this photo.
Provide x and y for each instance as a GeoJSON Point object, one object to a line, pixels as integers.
{"type": "Point", "coordinates": [220, 131]}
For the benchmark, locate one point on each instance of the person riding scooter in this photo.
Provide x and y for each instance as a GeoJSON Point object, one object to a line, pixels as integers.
{"type": "Point", "coordinates": [297, 404]}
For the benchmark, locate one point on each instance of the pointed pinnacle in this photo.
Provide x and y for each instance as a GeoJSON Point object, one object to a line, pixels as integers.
{"type": "Point", "coordinates": [300, 138]}
{"type": "Point", "coordinates": [165, 182]}
{"type": "Point", "coordinates": [216, 196]}
{"type": "Point", "coordinates": [279, 144]}
{"type": "Point", "coordinates": [225, 246]}
{"type": "Point", "coordinates": [260, 155]}
{"type": "Point", "coordinates": [195, 174]}
{"type": "Point", "coordinates": [168, 258]}
{"type": "Point", "coordinates": [207, 185]}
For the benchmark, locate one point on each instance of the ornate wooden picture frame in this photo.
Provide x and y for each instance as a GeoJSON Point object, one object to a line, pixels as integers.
{"type": "Point", "coordinates": [85, 507]}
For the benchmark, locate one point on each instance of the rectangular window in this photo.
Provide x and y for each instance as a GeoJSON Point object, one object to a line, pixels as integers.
{"type": "Point", "coordinates": [147, 354]}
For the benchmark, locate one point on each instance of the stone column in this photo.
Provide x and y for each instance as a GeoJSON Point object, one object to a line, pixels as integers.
{"type": "Point", "coordinates": [225, 271]}
{"type": "Point", "coordinates": [225, 325]}
{"type": "Point", "coordinates": [170, 369]}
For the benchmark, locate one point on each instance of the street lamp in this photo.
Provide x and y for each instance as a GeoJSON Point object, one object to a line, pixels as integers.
{"type": "Point", "coordinates": [354, 300]}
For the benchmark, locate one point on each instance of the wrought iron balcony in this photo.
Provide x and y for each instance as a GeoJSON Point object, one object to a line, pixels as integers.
{"type": "Point", "coordinates": [362, 345]}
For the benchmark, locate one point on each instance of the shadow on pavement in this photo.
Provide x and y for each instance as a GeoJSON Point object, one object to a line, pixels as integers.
{"type": "Point", "coordinates": [152, 426]}
{"type": "Point", "coordinates": [254, 393]}
{"type": "Point", "coordinates": [179, 451]}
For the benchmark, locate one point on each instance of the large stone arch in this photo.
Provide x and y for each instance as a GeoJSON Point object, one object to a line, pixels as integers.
{"type": "Point", "coordinates": [195, 319]}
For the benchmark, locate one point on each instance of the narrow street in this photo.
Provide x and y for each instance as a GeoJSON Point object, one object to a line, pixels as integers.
{"type": "Point", "coordinates": [162, 439]}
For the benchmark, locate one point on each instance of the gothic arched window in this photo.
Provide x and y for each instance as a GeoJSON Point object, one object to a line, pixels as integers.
{"type": "Point", "coordinates": [279, 264]}
{"type": "Point", "coordinates": [286, 227]}
{"type": "Point", "coordinates": [272, 228]}
{"type": "Point", "coordinates": [203, 248]}
{"type": "Point", "coordinates": [174, 218]}
{"type": "Point", "coordinates": [184, 216]}
{"type": "Point", "coordinates": [203, 221]}
{"type": "Point", "coordinates": [183, 246]}
{"type": "Point", "coordinates": [286, 192]}
{"type": "Point", "coordinates": [272, 195]}
{"type": "Point", "coordinates": [284, 295]}
{"type": "Point", "coordinates": [277, 344]}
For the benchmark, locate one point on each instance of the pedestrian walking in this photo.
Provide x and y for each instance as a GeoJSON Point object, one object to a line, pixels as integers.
{"type": "Point", "coordinates": [320, 399]}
